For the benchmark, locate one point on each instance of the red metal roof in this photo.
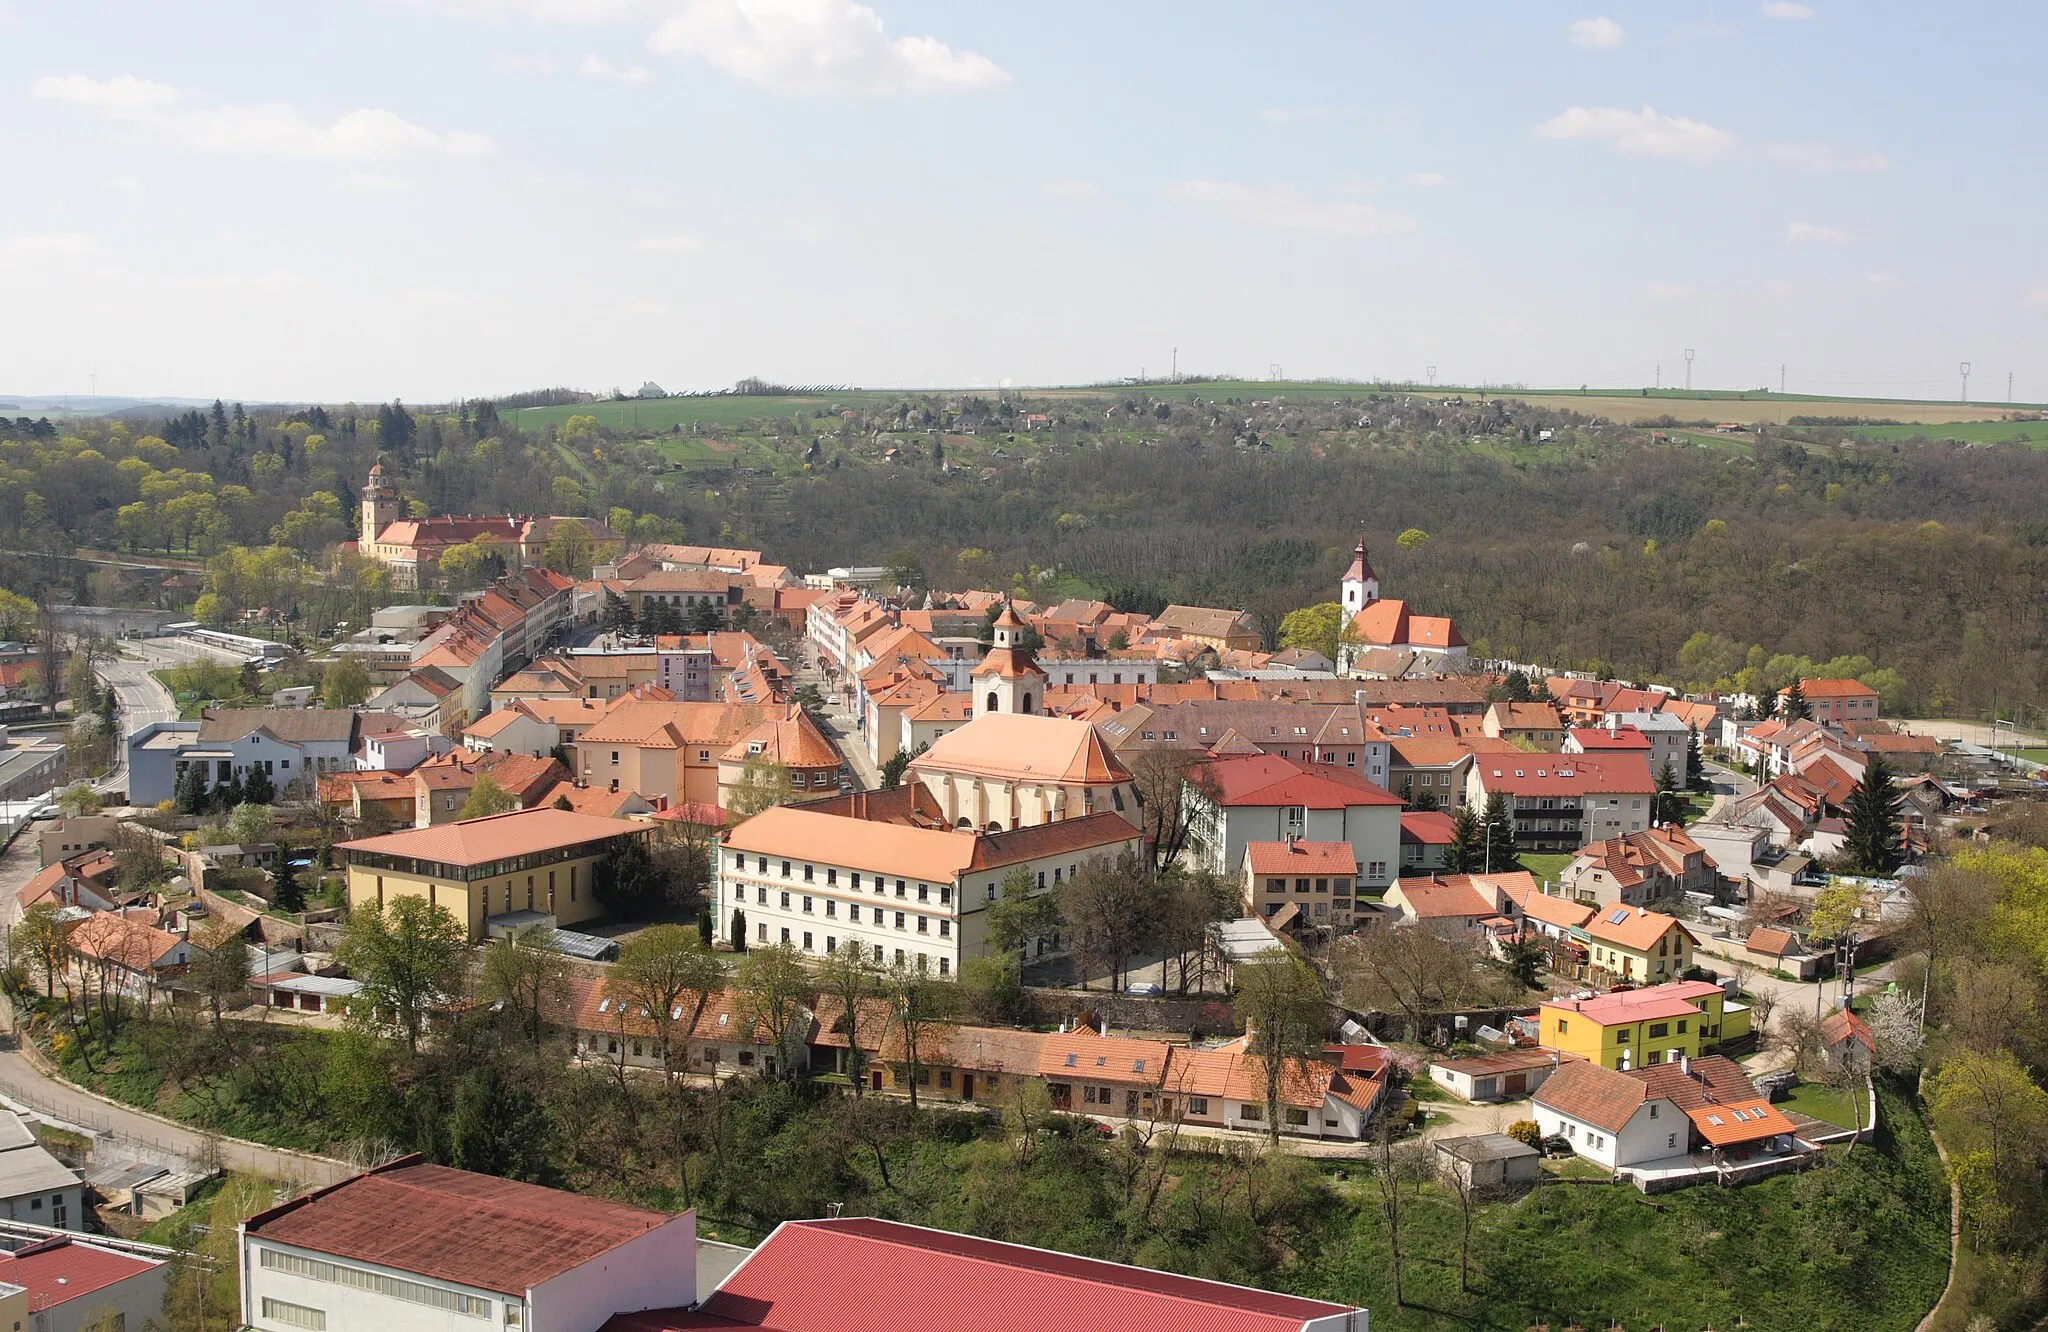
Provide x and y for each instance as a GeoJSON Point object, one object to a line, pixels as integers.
{"type": "Point", "coordinates": [1270, 780]}
{"type": "Point", "coordinates": [60, 1270]}
{"type": "Point", "coordinates": [474, 1230]}
{"type": "Point", "coordinates": [931, 1278]}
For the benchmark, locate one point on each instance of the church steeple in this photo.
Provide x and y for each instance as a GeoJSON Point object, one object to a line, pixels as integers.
{"type": "Point", "coordinates": [1008, 679]}
{"type": "Point", "coordinates": [1361, 585]}
{"type": "Point", "coordinates": [380, 507]}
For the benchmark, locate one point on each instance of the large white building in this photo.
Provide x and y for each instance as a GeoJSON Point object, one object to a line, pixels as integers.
{"type": "Point", "coordinates": [411, 1247]}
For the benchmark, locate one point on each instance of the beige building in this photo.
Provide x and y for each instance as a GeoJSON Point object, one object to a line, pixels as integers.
{"type": "Point", "coordinates": [528, 860]}
{"type": "Point", "coordinates": [676, 752]}
{"type": "Point", "coordinates": [1013, 770]}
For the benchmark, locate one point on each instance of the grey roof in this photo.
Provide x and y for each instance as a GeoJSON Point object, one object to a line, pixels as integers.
{"type": "Point", "coordinates": [14, 1133]}
{"type": "Point", "coordinates": [295, 726]}
{"type": "Point", "coordinates": [332, 987]}
{"type": "Point", "coordinates": [1243, 940]}
{"type": "Point", "coordinates": [33, 1170]}
{"type": "Point", "coordinates": [589, 947]}
{"type": "Point", "coordinates": [1485, 1147]}
{"type": "Point", "coordinates": [121, 1176]}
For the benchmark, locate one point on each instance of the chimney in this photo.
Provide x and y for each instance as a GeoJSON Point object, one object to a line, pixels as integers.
{"type": "Point", "coordinates": [1685, 1064]}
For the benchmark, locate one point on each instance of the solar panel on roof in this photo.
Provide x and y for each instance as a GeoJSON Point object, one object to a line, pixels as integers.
{"type": "Point", "coordinates": [1617, 917]}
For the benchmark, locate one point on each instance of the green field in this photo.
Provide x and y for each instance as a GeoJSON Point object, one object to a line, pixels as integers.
{"type": "Point", "coordinates": [1970, 432]}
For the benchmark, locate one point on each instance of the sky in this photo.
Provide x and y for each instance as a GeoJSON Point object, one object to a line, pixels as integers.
{"type": "Point", "coordinates": [358, 199]}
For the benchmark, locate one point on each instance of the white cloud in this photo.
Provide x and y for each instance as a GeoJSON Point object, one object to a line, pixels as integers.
{"type": "Point", "coordinates": [1643, 132]}
{"type": "Point", "coordinates": [1282, 206]}
{"type": "Point", "coordinates": [1070, 189]}
{"type": "Point", "coordinates": [123, 92]}
{"type": "Point", "coordinates": [818, 46]}
{"type": "Point", "coordinates": [1787, 11]}
{"type": "Point", "coordinates": [522, 64]}
{"type": "Point", "coordinates": [541, 11]}
{"type": "Point", "coordinates": [274, 129]}
{"type": "Point", "coordinates": [1602, 31]}
{"type": "Point", "coordinates": [595, 67]}
{"type": "Point", "coordinates": [43, 247]}
{"type": "Point", "coordinates": [1800, 232]}
{"type": "Point", "coordinates": [1428, 180]}
{"type": "Point", "coordinates": [1814, 156]}
{"type": "Point", "coordinates": [668, 245]}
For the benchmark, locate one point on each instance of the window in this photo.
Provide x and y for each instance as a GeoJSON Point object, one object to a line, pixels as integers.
{"type": "Point", "coordinates": [809, 871]}
{"type": "Point", "coordinates": [807, 904]}
{"type": "Point", "coordinates": [615, 758]}
{"type": "Point", "coordinates": [831, 943]}
{"type": "Point", "coordinates": [924, 925]}
{"type": "Point", "coordinates": [1653, 1109]}
{"type": "Point", "coordinates": [785, 901]}
{"type": "Point", "coordinates": [807, 941]}
{"type": "Point", "coordinates": [855, 880]}
{"type": "Point", "coordinates": [945, 929]}
{"type": "Point", "coordinates": [899, 920]}
{"type": "Point", "coordinates": [397, 1288]}
{"type": "Point", "coordinates": [761, 895]}
{"type": "Point", "coordinates": [1252, 1113]}
{"type": "Point", "coordinates": [294, 1315]}
{"type": "Point", "coordinates": [853, 913]}
{"type": "Point", "coordinates": [785, 871]}
{"type": "Point", "coordinates": [1376, 869]}
{"type": "Point", "coordinates": [831, 878]}
{"type": "Point", "coordinates": [946, 969]}
{"type": "Point", "coordinates": [1297, 1118]}
{"type": "Point", "coordinates": [1660, 1029]}
{"type": "Point", "coordinates": [1681, 1026]}
{"type": "Point", "coordinates": [831, 908]}
{"type": "Point", "coordinates": [1198, 1105]}
{"type": "Point", "coordinates": [924, 893]}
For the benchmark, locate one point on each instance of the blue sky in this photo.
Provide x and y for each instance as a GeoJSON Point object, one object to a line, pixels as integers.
{"type": "Point", "coordinates": [433, 198]}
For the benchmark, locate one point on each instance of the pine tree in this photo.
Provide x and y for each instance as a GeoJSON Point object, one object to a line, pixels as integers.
{"type": "Point", "coordinates": [190, 793]}
{"type": "Point", "coordinates": [1872, 841]}
{"type": "Point", "coordinates": [1695, 761]}
{"type": "Point", "coordinates": [1792, 705]}
{"type": "Point", "coordinates": [259, 789]}
{"type": "Point", "coordinates": [1497, 851]}
{"type": "Point", "coordinates": [706, 929]}
{"type": "Point", "coordinates": [289, 893]}
{"type": "Point", "coordinates": [739, 931]}
{"type": "Point", "coordinates": [1468, 842]}
{"type": "Point", "coordinates": [1667, 806]}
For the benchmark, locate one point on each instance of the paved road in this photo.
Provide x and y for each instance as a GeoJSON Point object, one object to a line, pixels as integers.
{"type": "Point", "coordinates": [1727, 784]}
{"type": "Point", "coordinates": [143, 701]}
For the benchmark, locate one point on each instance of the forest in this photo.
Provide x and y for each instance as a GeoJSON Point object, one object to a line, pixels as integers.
{"type": "Point", "coordinates": [1547, 536]}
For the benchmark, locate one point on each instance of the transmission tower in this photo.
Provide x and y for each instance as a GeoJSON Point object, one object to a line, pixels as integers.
{"type": "Point", "coordinates": [1432, 376]}
{"type": "Point", "coordinates": [1688, 369]}
{"type": "Point", "coordinates": [1781, 377]}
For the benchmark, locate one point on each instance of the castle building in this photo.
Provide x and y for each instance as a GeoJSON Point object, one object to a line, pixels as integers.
{"type": "Point", "coordinates": [412, 547]}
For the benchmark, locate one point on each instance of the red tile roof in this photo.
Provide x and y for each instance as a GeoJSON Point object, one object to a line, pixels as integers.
{"type": "Point", "coordinates": [1813, 689]}
{"type": "Point", "coordinates": [1742, 1121]}
{"type": "Point", "coordinates": [57, 1271]}
{"type": "Point", "coordinates": [1625, 1006]}
{"type": "Point", "coordinates": [1269, 780]}
{"type": "Point", "coordinates": [1623, 738]}
{"type": "Point", "coordinates": [1844, 1025]}
{"type": "Point", "coordinates": [1564, 774]}
{"type": "Point", "coordinates": [1302, 857]}
{"type": "Point", "coordinates": [1706, 1080]}
{"type": "Point", "coordinates": [1427, 827]}
{"type": "Point", "coordinates": [1632, 927]}
{"type": "Point", "coordinates": [1447, 896]}
{"type": "Point", "coordinates": [474, 1230]}
{"type": "Point", "coordinates": [941, 1280]}
{"type": "Point", "coordinates": [1593, 1095]}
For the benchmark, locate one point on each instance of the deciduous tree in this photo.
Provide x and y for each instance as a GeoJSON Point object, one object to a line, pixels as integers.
{"type": "Point", "coordinates": [409, 959]}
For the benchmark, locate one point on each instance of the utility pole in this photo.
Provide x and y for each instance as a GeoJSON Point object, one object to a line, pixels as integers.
{"type": "Point", "coordinates": [1660, 376]}
{"type": "Point", "coordinates": [1432, 376]}
{"type": "Point", "coordinates": [2008, 388]}
{"type": "Point", "coordinates": [1176, 365]}
{"type": "Point", "coordinates": [1781, 376]}
{"type": "Point", "coordinates": [1688, 369]}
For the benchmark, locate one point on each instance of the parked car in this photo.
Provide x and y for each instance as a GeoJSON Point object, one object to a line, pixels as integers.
{"type": "Point", "coordinates": [1144, 990]}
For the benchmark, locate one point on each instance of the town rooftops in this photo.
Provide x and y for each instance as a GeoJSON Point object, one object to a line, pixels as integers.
{"type": "Point", "coordinates": [1083, 1054]}
{"type": "Point", "coordinates": [1298, 857]}
{"type": "Point", "coordinates": [834, 831]}
{"type": "Point", "coordinates": [473, 1230]}
{"type": "Point", "coordinates": [1443, 896]}
{"type": "Point", "coordinates": [1266, 779]}
{"type": "Point", "coordinates": [1621, 738]}
{"type": "Point", "coordinates": [521, 832]}
{"type": "Point", "coordinates": [1771, 942]}
{"type": "Point", "coordinates": [1427, 827]}
{"type": "Point", "coordinates": [58, 1271]}
{"type": "Point", "coordinates": [1692, 1083]}
{"type": "Point", "coordinates": [942, 1280]}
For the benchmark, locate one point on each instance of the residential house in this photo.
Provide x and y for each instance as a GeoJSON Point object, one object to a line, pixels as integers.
{"type": "Point", "coordinates": [62, 838]}
{"type": "Point", "coordinates": [528, 860]}
{"type": "Point", "coordinates": [85, 879]}
{"type": "Point", "coordinates": [1837, 701]}
{"type": "Point", "coordinates": [125, 951]}
{"type": "Point", "coordinates": [1609, 741]}
{"type": "Point", "coordinates": [495, 632]}
{"type": "Point", "coordinates": [1237, 801]}
{"type": "Point", "coordinates": [1313, 876]}
{"type": "Point", "coordinates": [395, 749]}
{"type": "Point", "coordinates": [443, 786]}
{"type": "Point", "coordinates": [1637, 869]}
{"type": "Point", "coordinates": [514, 728]}
{"type": "Point", "coordinates": [609, 1028]}
{"type": "Point", "coordinates": [1224, 1086]}
{"type": "Point", "coordinates": [389, 798]}
{"type": "Point", "coordinates": [1535, 724]}
{"type": "Point", "coordinates": [1454, 906]}
{"type": "Point", "coordinates": [1088, 1072]}
{"type": "Point", "coordinates": [1640, 946]}
{"type": "Point", "coordinates": [1560, 802]}
{"type": "Point", "coordinates": [1609, 1117]}
{"type": "Point", "coordinates": [1223, 630]}
{"type": "Point", "coordinates": [673, 752]}
{"type": "Point", "coordinates": [1635, 1028]}
{"type": "Point", "coordinates": [419, 696]}
{"type": "Point", "coordinates": [1559, 922]}
{"type": "Point", "coordinates": [1429, 771]}
{"type": "Point", "coordinates": [595, 800]}
{"type": "Point", "coordinates": [412, 1247]}
{"type": "Point", "coordinates": [1669, 737]}
{"type": "Point", "coordinates": [286, 743]}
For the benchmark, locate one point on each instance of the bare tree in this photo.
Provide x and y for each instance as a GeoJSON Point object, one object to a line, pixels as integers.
{"type": "Point", "coordinates": [1111, 909]}
{"type": "Point", "coordinates": [1162, 779]}
{"type": "Point", "coordinates": [1398, 1169]}
{"type": "Point", "coordinates": [1409, 971]}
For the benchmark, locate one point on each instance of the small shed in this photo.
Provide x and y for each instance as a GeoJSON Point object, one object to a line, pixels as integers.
{"type": "Point", "coordinates": [1488, 1162]}
{"type": "Point", "coordinates": [312, 994]}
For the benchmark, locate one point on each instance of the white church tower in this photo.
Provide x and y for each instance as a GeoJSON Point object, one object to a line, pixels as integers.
{"type": "Point", "coordinates": [1008, 678]}
{"type": "Point", "coordinates": [1361, 584]}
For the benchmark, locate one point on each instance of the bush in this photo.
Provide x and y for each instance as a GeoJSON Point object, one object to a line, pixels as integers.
{"type": "Point", "coordinates": [1526, 1131]}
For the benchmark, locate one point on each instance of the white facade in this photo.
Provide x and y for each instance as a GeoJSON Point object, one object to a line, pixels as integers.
{"type": "Point", "coordinates": [286, 1288]}
{"type": "Point", "coordinates": [1655, 1132]}
{"type": "Point", "coordinates": [1081, 672]}
{"type": "Point", "coordinates": [520, 733]}
{"type": "Point", "coordinates": [1219, 835]}
{"type": "Point", "coordinates": [1669, 738]}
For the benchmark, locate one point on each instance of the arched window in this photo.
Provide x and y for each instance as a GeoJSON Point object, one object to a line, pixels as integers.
{"type": "Point", "coordinates": [1027, 704]}
{"type": "Point", "coordinates": [991, 700]}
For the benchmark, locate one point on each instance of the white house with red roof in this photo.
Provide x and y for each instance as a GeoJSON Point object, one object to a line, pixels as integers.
{"type": "Point", "coordinates": [1265, 798]}
{"type": "Point", "coordinates": [1560, 802]}
{"type": "Point", "coordinates": [911, 1277]}
{"type": "Point", "coordinates": [69, 1285]}
{"type": "Point", "coordinates": [1310, 875]}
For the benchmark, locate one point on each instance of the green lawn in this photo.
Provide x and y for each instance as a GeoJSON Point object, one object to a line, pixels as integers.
{"type": "Point", "coordinates": [1970, 432]}
{"type": "Point", "coordinates": [1822, 1102]}
{"type": "Point", "coordinates": [1548, 868]}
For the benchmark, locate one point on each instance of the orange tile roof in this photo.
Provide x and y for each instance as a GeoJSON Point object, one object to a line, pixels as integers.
{"type": "Point", "coordinates": [111, 936]}
{"type": "Point", "coordinates": [521, 832]}
{"type": "Point", "coordinates": [1625, 1006]}
{"type": "Point", "coordinates": [1301, 857]}
{"type": "Point", "coordinates": [1085, 1054]}
{"type": "Point", "coordinates": [1565, 774]}
{"type": "Point", "coordinates": [1728, 1123]}
{"type": "Point", "coordinates": [793, 741]}
{"type": "Point", "coordinates": [1813, 689]}
{"type": "Point", "coordinates": [1633, 927]}
{"type": "Point", "coordinates": [1591, 1094]}
{"type": "Point", "coordinates": [1014, 747]}
{"type": "Point", "coordinates": [1447, 896]}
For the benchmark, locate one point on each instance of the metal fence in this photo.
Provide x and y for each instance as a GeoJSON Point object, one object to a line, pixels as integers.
{"type": "Point", "coordinates": [204, 1153]}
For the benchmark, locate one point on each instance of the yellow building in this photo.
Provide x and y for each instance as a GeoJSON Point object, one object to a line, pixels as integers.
{"type": "Point", "coordinates": [528, 860]}
{"type": "Point", "coordinates": [1637, 946]}
{"type": "Point", "coordinates": [1637, 1028]}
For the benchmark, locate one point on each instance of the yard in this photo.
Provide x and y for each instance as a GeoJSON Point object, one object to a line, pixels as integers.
{"type": "Point", "coordinates": [1547, 869]}
{"type": "Point", "coordinates": [1823, 1103]}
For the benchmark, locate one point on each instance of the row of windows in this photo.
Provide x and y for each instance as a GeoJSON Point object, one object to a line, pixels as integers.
{"type": "Point", "coordinates": [880, 917]}
{"type": "Point", "coordinates": [294, 1315]}
{"type": "Point", "coordinates": [809, 945]}
{"type": "Point", "coordinates": [397, 1288]}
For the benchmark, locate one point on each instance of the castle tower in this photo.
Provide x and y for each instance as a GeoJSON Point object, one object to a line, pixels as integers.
{"type": "Point", "coordinates": [1008, 678]}
{"type": "Point", "coordinates": [1361, 584]}
{"type": "Point", "coordinates": [380, 508]}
